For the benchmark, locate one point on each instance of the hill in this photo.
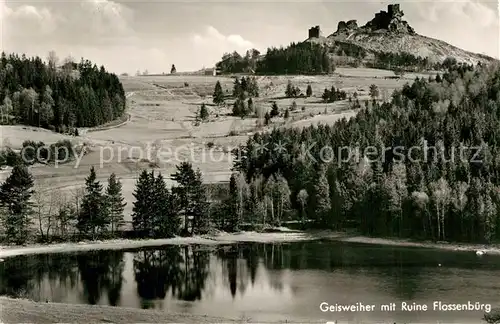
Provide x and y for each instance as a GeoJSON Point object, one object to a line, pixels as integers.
{"type": "Point", "coordinates": [386, 33]}
{"type": "Point", "coordinates": [385, 42]}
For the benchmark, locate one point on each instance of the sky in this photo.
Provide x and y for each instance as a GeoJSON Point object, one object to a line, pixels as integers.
{"type": "Point", "coordinates": [126, 36]}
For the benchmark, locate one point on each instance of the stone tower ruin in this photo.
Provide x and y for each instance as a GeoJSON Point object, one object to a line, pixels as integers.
{"type": "Point", "coordinates": [314, 32]}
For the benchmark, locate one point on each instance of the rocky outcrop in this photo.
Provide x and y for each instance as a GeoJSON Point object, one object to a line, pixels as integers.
{"type": "Point", "coordinates": [352, 24]}
{"type": "Point", "coordinates": [343, 26]}
{"type": "Point", "coordinates": [391, 20]}
{"type": "Point", "coordinates": [387, 32]}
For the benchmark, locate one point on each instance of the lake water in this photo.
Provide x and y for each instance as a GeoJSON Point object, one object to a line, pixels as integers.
{"type": "Point", "coordinates": [264, 281]}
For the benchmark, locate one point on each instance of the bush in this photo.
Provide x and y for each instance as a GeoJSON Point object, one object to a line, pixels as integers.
{"type": "Point", "coordinates": [10, 158]}
{"type": "Point", "coordinates": [33, 152]}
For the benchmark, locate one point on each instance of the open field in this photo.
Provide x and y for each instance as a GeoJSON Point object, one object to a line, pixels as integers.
{"type": "Point", "coordinates": [162, 121]}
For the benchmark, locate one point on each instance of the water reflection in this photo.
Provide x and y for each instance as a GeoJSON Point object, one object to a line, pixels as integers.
{"type": "Point", "coordinates": [266, 280]}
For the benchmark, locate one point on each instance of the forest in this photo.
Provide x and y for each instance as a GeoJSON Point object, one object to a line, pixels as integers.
{"type": "Point", "coordinates": [297, 58]}
{"type": "Point", "coordinates": [60, 98]}
{"type": "Point", "coordinates": [435, 194]}
{"type": "Point", "coordinates": [423, 165]}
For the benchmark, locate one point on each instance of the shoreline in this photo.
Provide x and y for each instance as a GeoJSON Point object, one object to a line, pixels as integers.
{"type": "Point", "coordinates": [27, 311]}
{"type": "Point", "coordinates": [119, 244]}
{"type": "Point", "coordinates": [493, 249]}
{"type": "Point", "coordinates": [284, 236]}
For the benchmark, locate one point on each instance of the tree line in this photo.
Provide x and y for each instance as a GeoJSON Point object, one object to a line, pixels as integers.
{"type": "Point", "coordinates": [41, 94]}
{"type": "Point", "coordinates": [31, 211]}
{"type": "Point", "coordinates": [310, 58]}
{"type": "Point", "coordinates": [296, 58]}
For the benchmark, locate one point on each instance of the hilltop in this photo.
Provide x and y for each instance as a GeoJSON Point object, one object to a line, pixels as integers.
{"type": "Point", "coordinates": [388, 33]}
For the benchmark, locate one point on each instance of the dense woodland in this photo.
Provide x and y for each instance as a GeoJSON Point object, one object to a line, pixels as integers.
{"type": "Point", "coordinates": [438, 193]}
{"type": "Point", "coordinates": [400, 193]}
{"type": "Point", "coordinates": [36, 93]}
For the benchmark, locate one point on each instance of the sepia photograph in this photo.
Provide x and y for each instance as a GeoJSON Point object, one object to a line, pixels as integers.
{"type": "Point", "coordinates": [250, 161]}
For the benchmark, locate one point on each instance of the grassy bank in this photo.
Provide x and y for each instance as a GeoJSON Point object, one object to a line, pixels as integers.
{"type": "Point", "coordinates": [25, 311]}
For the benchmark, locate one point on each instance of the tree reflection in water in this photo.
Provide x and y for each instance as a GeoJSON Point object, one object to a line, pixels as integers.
{"type": "Point", "coordinates": [101, 271]}
{"type": "Point", "coordinates": [180, 270]}
{"type": "Point", "coordinates": [184, 273]}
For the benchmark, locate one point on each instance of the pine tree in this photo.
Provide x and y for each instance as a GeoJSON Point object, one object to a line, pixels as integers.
{"type": "Point", "coordinates": [237, 89]}
{"type": "Point", "coordinates": [250, 107]}
{"type": "Point", "coordinates": [326, 95]}
{"type": "Point", "coordinates": [252, 87]}
{"type": "Point", "coordinates": [302, 198]}
{"type": "Point", "coordinates": [374, 92]}
{"type": "Point", "coordinates": [173, 70]}
{"type": "Point", "coordinates": [309, 90]}
{"type": "Point", "coordinates": [164, 212]}
{"type": "Point", "coordinates": [322, 195]}
{"type": "Point", "coordinates": [141, 212]}
{"type": "Point", "coordinates": [186, 179]}
{"type": "Point", "coordinates": [203, 112]}
{"type": "Point", "coordinates": [232, 205]}
{"type": "Point", "coordinates": [267, 118]}
{"type": "Point", "coordinates": [275, 110]}
{"type": "Point", "coordinates": [93, 214]}
{"type": "Point", "coordinates": [15, 194]}
{"type": "Point", "coordinates": [244, 84]}
{"type": "Point", "coordinates": [115, 203]}
{"type": "Point", "coordinates": [201, 223]}
{"type": "Point", "coordinates": [238, 108]}
{"type": "Point", "coordinates": [218, 96]}
{"type": "Point", "coordinates": [289, 89]}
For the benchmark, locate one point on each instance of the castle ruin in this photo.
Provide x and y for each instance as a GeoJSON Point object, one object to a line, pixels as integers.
{"type": "Point", "coordinates": [314, 32]}
{"type": "Point", "coordinates": [391, 20]}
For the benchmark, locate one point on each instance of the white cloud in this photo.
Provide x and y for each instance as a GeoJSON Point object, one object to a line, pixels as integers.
{"type": "Point", "coordinates": [106, 17]}
{"type": "Point", "coordinates": [87, 22]}
{"type": "Point", "coordinates": [213, 44]}
{"type": "Point", "coordinates": [212, 38]}
{"type": "Point", "coordinates": [27, 18]}
{"type": "Point", "coordinates": [239, 41]}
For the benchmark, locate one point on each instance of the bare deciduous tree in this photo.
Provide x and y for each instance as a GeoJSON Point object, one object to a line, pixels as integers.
{"type": "Point", "coordinates": [68, 64]}
{"type": "Point", "coordinates": [77, 194]}
{"type": "Point", "coordinates": [52, 60]}
{"type": "Point", "coordinates": [45, 200]}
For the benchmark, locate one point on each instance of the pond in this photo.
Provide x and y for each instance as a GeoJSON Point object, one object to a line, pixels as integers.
{"type": "Point", "coordinates": [265, 282]}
